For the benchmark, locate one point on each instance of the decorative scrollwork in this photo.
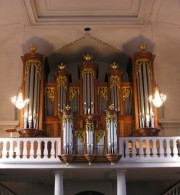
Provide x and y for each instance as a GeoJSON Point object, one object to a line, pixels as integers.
{"type": "Point", "coordinates": [81, 135]}
{"type": "Point", "coordinates": [49, 91]}
{"type": "Point", "coordinates": [103, 91]}
{"type": "Point", "coordinates": [143, 61]}
{"type": "Point", "coordinates": [126, 92]}
{"type": "Point", "coordinates": [114, 80]}
{"type": "Point", "coordinates": [33, 62]}
{"type": "Point", "coordinates": [66, 118]}
{"type": "Point", "coordinates": [99, 135]}
{"type": "Point", "coordinates": [89, 127]}
{"type": "Point", "coordinates": [73, 92]}
{"type": "Point", "coordinates": [62, 81]}
{"type": "Point", "coordinates": [110, 118]}
{"type": "Point", "coordinates": [87, 70]}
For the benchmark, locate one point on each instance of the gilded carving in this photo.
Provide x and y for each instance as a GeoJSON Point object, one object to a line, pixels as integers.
{"type": "Point", "coordinates": [103, 91]}
{"type": "Point", "coordinates": [110, 118]}
{"type": "Point", "coordinates": [33, 62]}
{"type": "Point", "coordinates": [88, 70]}
{"type": "Point", "coordinates": [126, 92]}
{"type": "Point", "coordinates": [50, 93]}
{"type": "Point", "coordinates": [62, 81]}
{"type": "Point", "coordinates": [143, 61]}
{"type": "Point", "coordinates": [89, 127]}
{"type": "Point", "coordinates": [80, 135]}
{"type": "Point", "coordinates": [114, 80]}
{"type": "Point", "coordinates": [67, 118]}
{"type": "Point", "coordinates": [73, 92]}
{"type": "Point", "coordinates": [99, 135]}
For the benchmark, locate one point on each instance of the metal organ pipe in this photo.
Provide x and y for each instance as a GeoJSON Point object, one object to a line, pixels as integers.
{"type": "Point", "coordinates": [67, 133]}
{"type": "Point", "coordinates": [26, 108]}
{"type": "Point", "coordinates": [111, 123]}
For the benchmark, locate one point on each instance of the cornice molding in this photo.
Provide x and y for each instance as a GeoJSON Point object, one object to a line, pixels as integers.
{"type": "Point", "coordinates": [134, 12]}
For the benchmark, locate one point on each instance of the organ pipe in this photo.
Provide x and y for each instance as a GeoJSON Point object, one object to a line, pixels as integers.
{"type": "Point", "coordinates": [33, 85]}
{"type": "Point", "coordinates": [62, 85]}
{"type": "Point", "coordinates": [67, 128]}
{"type": "Point", "coordinates": [143, 83]}
{"type": "Point", "coordinates": [111, 127]}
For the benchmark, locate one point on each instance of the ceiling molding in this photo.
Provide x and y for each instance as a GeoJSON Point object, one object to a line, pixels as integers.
{"type": "Point", "coordinates": [55, 12]}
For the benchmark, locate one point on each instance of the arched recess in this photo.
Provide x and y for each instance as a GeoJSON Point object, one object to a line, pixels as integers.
{"type": "Point", "coordinates": [90, 193]}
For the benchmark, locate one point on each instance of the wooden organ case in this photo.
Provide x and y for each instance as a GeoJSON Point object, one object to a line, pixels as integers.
{"type": "Point", "coordinates": [89, 115]}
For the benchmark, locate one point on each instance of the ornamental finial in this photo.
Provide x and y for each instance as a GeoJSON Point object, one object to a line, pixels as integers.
{"type": "Point", "coordinates": [67, 107]}
{"type": "Point", "coordinates": [33, 48]}
{"type": "Point", "coordinates": [88, 57]}
{"type": "Point", "coordinates": [143, 47]}
{"type": "Point", "coordinates": [114, 66]}
{"type": "Point", "coordinates": [111, 107]}
{"type": "Point", "coordinates": [62, 66]}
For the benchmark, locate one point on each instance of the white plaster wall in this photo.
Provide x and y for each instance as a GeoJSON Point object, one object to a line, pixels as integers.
{"type": "Point", "coordinates": [162, 35]}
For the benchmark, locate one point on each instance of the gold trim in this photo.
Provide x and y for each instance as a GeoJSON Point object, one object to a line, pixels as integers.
{"type": "Point", "coordinates": [143, 61]}
{"type": "Point", "coordinates": [62, 81]}
{"type": "Point", "coordinates": [87, 70]}
{"type": "Point", "coordinates": [49, 91]}
{"type": "Point", "coordinates": [99, 135]}
{"type": "Point", "coordinates": [114, 80]}
{"type": "Point", "coordinates": [126, 92]}
{"type": "Point", "coordinates": [103, 91]}
{"type": "Point", "coordinates": [81, 135]}
{"type": "Point", "coordinates": [89, 127]}
{"type": "Point", "coordinates": [73, 92]}
{"type": "Point", "coordinates": [66, 118]}
{"type": "Point", "coordinates": [35, 63]}
{"type": "Point", "coordinates": [111, 117]}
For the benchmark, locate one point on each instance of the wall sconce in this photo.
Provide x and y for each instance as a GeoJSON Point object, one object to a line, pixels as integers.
{"type": "Point", "coordinates": [158, 99]}
{"type": "Point", "coordinates": [18, 101]}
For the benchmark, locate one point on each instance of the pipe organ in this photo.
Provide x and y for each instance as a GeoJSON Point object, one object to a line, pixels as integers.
{"type": "Point", "coordinates": [89, 114]}
{"type": "Point", "coordinates": [33, 86]}
{"type": "Point", "coordinates": [144, 86]}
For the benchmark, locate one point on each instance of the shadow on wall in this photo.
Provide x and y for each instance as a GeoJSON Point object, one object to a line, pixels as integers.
{"type": "Point", "coordinates": [90, 193]}
{"type": "Point", "coordinates": [133, 44]}
{"type": "Point", "coordinates": [44, 47]}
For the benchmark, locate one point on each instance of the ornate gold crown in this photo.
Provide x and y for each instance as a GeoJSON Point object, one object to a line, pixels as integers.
{"type": "Point", "coordinates": [114, 66]}
{"type": "Point", "coordinates": [88, 57]}
{"type": "Point", "coordinates": [143, 47]}
{"type": "Point", "coordinates": [62, 66]}
{"type": "Point", "coordinates": [33, 47]}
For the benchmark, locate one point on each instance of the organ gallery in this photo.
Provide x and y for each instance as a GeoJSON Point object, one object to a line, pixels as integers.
{"type": "Point", "coordinates": [88, 103]}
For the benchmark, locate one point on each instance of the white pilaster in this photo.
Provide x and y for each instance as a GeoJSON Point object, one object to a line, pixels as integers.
{"type": "Point", "coordinates": [58, 184]}
{"type": "Point", "coordinates": [121, 182]}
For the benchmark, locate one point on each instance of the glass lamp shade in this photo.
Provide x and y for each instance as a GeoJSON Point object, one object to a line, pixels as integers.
{"type": "Point", "coordinates": [18, 101]}
{"type": "Point", "coordinates": [158, 99]}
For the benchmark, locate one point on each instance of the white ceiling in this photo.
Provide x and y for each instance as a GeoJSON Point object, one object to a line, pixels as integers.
{"type": "Point", "coordinates": [47, 12]}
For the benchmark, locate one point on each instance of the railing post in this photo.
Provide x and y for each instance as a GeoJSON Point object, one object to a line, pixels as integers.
{"type": "Point", "coordinates": [45, 149]}
{"type": "Point", "coordinates": [31, 152]}
{"type": "Point", "coordinates": [52, 152]}
{"type": "Point", "coordinates": [11, 151]}
{"type": "Point", "coordinates": [4, 151]}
